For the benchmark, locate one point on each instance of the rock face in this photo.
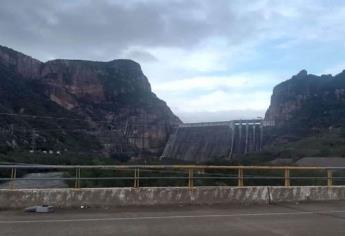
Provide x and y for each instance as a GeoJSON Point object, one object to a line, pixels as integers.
{"type": "Point", "coordinates": [107, 107]}
{"type": "Point", "coordinates": [24, 65]}
{"type": "Point", "coordinates": [307, 102]}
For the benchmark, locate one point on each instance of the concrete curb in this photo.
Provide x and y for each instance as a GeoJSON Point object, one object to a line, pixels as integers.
{"type": "Point", "coordinates": [151, 196]}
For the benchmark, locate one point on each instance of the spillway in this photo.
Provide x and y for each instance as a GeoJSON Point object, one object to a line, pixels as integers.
{"type": "Point", "coordinates": [202, 142]}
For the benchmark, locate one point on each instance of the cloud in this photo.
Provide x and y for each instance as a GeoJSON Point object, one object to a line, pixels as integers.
{"type": "Point", "coordinates": [68, 28]}
{"type": "Point", "coordinates": [199, 55]}
{"type": "Point", "coordinates": [139, 55]}
{"type": "Point", "coordinates": [220, 100]}
{"type": "Point", "coordinates": [217, 98]}
{"type": "Point", "coordinates": [335, 69]}
{"type": "Point", "coordinates": [209, 83]}
{"type": "Point", "coordinates": [202, 83]}
{"type": "Point", "coordinates": [224, 115]}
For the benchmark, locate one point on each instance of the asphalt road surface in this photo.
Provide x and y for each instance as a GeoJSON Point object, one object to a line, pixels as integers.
{"type": "Point", "coordinates": [323, 218]}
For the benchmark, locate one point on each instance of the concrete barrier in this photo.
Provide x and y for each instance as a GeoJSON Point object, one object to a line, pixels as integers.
{"type": "Point", "coordinates": [306, 193]}
{"type": "Point", "coordinates": [114, 197]}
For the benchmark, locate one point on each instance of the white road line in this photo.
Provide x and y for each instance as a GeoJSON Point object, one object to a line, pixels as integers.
{"type": "Point", "coordinates": [169, 217]}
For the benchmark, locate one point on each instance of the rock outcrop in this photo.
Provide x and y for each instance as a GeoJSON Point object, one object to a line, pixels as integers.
{"type": "Point", "coordinates": [307, 102]}
{"type": "Point", "coordinates": [110, 104]}
{"type": "Point", "coordinates": [24, 65]}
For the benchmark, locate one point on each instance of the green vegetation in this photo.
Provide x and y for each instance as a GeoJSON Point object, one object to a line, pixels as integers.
{"type": "Point", "coordinates": [54, 159]}
{"type": "Point", "coordinates": [327, 144]}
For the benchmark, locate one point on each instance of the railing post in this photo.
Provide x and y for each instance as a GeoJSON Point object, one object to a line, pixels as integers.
{"type": "Point", "coordinates": [13, 178]}
{"type": "Point", "coordinates": [240, 177]}
{"type": "Point", "coordinates": [136, 178]}
{"type": "Point", "coordinates": [190, 178]}
{"type": "Point", "coordinates": [287, 178]}
{"type": "Point", "coordinates": [329, 178]}
{"type": "Point", "coordinates": [77, 178]}
{"type": "Point", "coordinates": [79, 186]}
{"type": "Point", "coordinates": [11, 181]}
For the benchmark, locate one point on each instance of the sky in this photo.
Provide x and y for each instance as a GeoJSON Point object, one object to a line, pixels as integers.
{"type": "Point", "coordinates": [210, 60]}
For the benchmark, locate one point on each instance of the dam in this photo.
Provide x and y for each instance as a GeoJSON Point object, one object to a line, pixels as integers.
{"type": "Point", "coordinates": [202, 142]}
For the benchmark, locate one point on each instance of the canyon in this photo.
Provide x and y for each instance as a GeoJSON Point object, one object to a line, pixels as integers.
{"type": "Point", "coordinates": [108, 108]}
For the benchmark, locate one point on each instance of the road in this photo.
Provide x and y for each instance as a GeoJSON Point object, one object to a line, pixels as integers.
{"type": "Point", "coordinates": [323, 218]}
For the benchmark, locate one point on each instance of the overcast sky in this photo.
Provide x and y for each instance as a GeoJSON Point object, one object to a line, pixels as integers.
{"type": "Point", "coordinates": [208, 59]}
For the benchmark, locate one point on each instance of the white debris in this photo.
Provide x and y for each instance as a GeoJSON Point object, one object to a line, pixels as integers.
{"type": "Point", "coordinates": [40, 209]}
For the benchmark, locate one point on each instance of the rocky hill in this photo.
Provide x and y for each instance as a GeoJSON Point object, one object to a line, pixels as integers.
{"type": "Point", "coordinates": [309, 116]}
{"type": "Point", "coordinates": [308, 103]}
{"type": "Point", "coordinates": [80, 106]}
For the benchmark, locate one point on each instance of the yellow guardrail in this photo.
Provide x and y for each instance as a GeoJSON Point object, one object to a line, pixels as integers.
{"type": "Point", "coordinates": [192, 173]}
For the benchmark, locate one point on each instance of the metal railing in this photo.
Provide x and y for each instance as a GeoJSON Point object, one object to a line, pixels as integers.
{"type": "Point", "coordinates": [188, 174]}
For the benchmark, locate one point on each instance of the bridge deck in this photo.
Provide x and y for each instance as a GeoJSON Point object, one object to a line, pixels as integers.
{"type": "Point", "coordinates": [322, 218]}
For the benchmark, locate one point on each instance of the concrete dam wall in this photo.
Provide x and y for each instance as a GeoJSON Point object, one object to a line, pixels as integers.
{"type": "Point", "coordinates": [202, 142]}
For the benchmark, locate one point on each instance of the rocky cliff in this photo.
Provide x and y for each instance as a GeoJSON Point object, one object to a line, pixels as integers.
{"type": "Point", "coordinates": [75, 105]}
{"type": "Point", "coordinates": [308, 102]}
